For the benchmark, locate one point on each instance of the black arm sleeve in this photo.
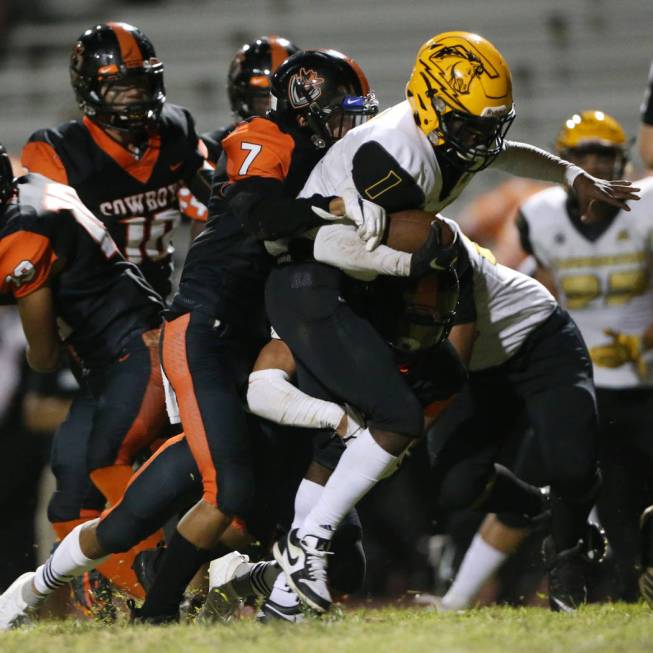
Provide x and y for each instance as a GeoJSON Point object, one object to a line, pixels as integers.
{"type": "Point", "coordinates": [466, 307]}
{"type": "Point", "coordinates": [200, 185]}
{"type": "Point", "coordinates": [647, 104]}
{"type": "Point", "coordinates": [263, 210]}
{"type": "Point", "coordinates": [380, 179]}
{"type": "Point", "coordinates": [524, 235]}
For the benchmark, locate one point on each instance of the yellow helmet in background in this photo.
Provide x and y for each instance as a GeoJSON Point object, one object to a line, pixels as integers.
{"type": "Point", "coordinates": [594, 132]}
{"type": "Point", "coordinates": [590, 128]}
{"type": "Point", "coordinates": [460, 91]}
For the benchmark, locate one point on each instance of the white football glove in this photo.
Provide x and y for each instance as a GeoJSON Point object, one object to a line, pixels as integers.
{"type": "Point", "coordinates": [370, 218]}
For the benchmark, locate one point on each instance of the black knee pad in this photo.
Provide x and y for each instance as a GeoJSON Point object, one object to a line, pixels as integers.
{"type": "Point", "coordinates": [236, 490]}
{"type": "Point", "coordinates": [346, 571]}
{"type": "Point", "coordinates": [464, 485]}
{"type": "Point", "coordinates": [513, 520]}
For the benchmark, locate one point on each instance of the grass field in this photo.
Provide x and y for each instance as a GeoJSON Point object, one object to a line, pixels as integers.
{"type": "Point", "coordinates": [594, 629]}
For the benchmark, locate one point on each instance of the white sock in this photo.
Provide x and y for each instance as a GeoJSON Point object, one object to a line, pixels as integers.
{"type": "Point", "coordinates": [67, 562]}
{"type": "Point", "coordinates": [479, 563]}
{"type": "Point", "coordinates": [308, 494]}
{"type": "Point", "coordinates": [361, 465]}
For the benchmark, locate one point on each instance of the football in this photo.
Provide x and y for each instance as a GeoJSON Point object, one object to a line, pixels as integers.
{"type": "Point", "coordinates": [407, 230]}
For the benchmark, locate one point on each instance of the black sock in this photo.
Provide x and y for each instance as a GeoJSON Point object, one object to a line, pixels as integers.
{"type": "Point", "coordinates": [569, 512]}
{"type": "Point", "coordinates": [178, 566]}
{"type": "Point", "coordinates": [510, 494]}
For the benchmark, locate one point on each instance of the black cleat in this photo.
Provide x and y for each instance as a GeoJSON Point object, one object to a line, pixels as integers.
{"type": "Point", "coordinates": [567, 576]}
{"type": "Point", "coordinates": [146, 565]}
{"type": "Point", "coordinates": [136, 616]}
{"type": "Point", "coordinates": [93, 594]}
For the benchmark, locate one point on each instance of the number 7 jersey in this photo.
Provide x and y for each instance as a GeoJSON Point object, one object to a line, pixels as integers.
{"type": "Point", "coordinates": [603, 278]}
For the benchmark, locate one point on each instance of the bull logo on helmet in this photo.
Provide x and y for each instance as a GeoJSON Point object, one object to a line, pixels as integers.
{"type": "Point", "coordinates": [458, 67]}
{"type": "Point", "coordinates": [462, 74]}
{"type": "Point", "coordinates": [304, 87]}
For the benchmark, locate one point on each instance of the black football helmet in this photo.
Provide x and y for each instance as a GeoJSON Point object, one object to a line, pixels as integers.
{"type": "Point", "coordinates": [327, 88]}
{"type": "Point", "coordinates": [7, 179]}
{"type": "Point", "coordinates": [248, 82]}
{"type": "Point", "coordinates": [115, 59]}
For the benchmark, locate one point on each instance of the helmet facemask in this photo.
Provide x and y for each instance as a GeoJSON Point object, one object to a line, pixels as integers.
{"type": "Point", "coordinates": [333, 121]}
{"type": "Point", "coordinates": [614, 158]}
{"type": "Point", "coordinates": [470, 142]}
{"type": "Point", "coordinates": [131, 101]}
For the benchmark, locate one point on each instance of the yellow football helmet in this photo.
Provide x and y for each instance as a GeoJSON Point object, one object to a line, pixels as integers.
{"type": "Point", "coordinates": [460, 91]}
{"type": "Point", "coordinates": [590, 128]}
{"type": "Point", "coordinates": [593, 131]}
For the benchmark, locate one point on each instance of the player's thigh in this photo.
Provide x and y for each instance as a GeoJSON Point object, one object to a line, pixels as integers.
{"type": "Point", "coordinates": [130, 410]}
{"type": "Point", "coordinates": [341, 349]}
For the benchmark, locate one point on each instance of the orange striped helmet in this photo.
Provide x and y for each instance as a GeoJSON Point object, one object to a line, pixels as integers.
{"type": "Point", "coordinates": [248, 82]}
{"type": "Point", "coordinates": [117, 78]}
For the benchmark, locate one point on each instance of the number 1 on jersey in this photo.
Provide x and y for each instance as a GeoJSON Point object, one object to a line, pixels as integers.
{"type": "Point", "coordinates": [254, 150]}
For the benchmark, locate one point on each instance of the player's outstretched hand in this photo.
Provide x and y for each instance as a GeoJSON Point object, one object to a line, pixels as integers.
{"type": "Point", "coordinates": [591, 189]}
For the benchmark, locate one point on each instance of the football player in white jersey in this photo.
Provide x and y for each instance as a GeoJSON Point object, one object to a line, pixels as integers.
{"type": "Point", "coordinates": [600, 271]}
{"type": "Point", "coordinates": [420, 153]}
{"type": "Point", "coordinates": [645, 136]}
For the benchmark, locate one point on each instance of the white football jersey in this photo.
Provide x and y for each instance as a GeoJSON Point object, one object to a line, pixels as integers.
{"type": "Point", "coordinates": [509, 305]}
{"type": "Point", "coordinates": [395, 132]}
{"type": "Point", "coordinates": [604, 283]}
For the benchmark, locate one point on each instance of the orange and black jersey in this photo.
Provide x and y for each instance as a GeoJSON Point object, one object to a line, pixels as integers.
{"type": "Point", "coordinates": [101, 301]}
{"type": "Point", "coordinates": [267, 163]}
{"type": "Point", "coordinates": [136, 198]}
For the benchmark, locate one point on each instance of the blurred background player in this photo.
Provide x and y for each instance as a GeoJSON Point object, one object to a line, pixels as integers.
{"type": "Point", "coordinates": [645, 135]}
{"type": "Point", "coordinates": [600, 272]}
{"type": "Point", "coordinates": [248, 84]}
{"type": "Point", "coordinates": [131, 152]}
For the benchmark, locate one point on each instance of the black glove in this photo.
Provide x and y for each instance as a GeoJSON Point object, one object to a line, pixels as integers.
{"type": "Point", "coordinates": [433, 255]}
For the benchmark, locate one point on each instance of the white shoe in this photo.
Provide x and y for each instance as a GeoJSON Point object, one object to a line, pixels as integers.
{"type": "Point", "coordinates": [222, 601]}
{"type": "Point", "coordinates": [304, 562]}
{"type": "Point", "coordinates": [13, 609]}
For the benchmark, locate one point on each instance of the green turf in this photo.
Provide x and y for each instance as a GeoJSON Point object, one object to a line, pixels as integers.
{"type": "Point", "coordinates": [492, 630]}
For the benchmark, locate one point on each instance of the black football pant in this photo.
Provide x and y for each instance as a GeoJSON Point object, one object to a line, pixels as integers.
{"type": "Point", "coordinates": [208, 362]}
{"type": "Point", "coordinates": [116, 415]}
{"type": "Point", "coordinates": [333, 344]}
{"type": "Point", "coordinates": [170, 480]}
{"type": "Point", "coordinates": [550, 379]}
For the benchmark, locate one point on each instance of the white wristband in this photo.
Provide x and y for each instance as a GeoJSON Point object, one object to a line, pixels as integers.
{"type": "Point", "coordinates": [571, 173]}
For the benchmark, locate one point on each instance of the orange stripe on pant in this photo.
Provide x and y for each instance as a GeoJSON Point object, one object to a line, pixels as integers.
{"type": "Point", "coordinates": [151, 418]}
{"type": "Point", "coordinates": [175, 363]}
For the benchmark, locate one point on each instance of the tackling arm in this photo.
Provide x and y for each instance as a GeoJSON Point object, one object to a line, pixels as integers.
{"type": "Point", "coordinates": [38, 318]}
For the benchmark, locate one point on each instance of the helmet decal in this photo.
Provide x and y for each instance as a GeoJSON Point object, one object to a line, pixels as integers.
{"type": "Point", "coordinates": [304, 87]}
